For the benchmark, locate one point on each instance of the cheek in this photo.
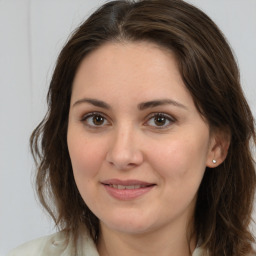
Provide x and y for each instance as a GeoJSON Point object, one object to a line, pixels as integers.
{"type": "Point", "coordinates": [180, 159]}
{"type": "Point", "coordinates": [86, 155]}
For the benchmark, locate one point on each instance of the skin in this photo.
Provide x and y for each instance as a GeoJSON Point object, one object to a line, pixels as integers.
{"type": "Point", "coordinates": [118, 137]}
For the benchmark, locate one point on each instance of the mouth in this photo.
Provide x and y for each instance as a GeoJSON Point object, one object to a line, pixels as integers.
{"type": "Point", "coordinates": [127, 184]}
{"type": "Point", "coordinates": [128, 189]}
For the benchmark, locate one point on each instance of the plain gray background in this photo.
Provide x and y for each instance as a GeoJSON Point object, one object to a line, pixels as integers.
{"type": "Point", "coordinates": [32, 33]}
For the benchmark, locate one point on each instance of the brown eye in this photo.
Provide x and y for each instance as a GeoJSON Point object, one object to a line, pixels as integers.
{"type": "Point", "coordinates": [95, 120]}
{"type": "Point", "coordinates": [98, 120]}
{"type": "Point", "coordinates": [160, 120]}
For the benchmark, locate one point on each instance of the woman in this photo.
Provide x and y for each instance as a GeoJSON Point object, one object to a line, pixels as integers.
{"type": "Point", "coordinates": [145, 146]}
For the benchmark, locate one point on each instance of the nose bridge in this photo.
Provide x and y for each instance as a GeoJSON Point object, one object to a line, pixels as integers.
{"type": "Point", "coordinates": [124, 151]}
{"type": "Point", "coordinates": [123, 136]}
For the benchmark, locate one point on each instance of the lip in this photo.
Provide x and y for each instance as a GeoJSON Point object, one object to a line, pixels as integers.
{"type": "Point", "coordinates": [135, 188]}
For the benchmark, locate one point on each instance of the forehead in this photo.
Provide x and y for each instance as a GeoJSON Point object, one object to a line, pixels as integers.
{"type": "Point", "coordinates": [138, 68]}
{"type": "Point", "coordinates": [142, 55]}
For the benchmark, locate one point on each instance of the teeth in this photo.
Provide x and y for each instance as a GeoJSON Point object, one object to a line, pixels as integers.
{"type": "Point", "coordinates": [127, 187]}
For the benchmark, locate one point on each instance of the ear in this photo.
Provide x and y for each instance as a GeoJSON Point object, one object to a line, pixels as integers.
{"type": "Point", "coordinates": [218, 147]}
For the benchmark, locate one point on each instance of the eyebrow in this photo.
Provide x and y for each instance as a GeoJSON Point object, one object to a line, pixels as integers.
{"type": "Point", "coordinates": [97, 103]}
{"type": "Point", "coordinates": [161, 102]}
{"type": "Point", "coordinates": [141, 106]}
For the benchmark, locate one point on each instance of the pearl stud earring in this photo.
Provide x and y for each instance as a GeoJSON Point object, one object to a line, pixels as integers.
{"type": "Point", "coordinates": [214, 161]}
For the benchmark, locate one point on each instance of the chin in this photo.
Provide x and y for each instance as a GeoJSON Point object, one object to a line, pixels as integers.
{"type": "Point", "coordinates": [133, 225]}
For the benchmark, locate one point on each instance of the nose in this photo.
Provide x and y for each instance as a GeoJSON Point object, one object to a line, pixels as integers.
{"type": "Point", "coordinates": [125, 150]}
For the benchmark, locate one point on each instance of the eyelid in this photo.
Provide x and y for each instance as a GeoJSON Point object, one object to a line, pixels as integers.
{"type": "Point", "coordinates": [89, 114]}
{"type": "Point", "coordinates": [168, 116]}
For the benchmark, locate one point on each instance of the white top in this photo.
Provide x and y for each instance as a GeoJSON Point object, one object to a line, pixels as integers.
{"type": "Point", "coordinates": [54, 245]}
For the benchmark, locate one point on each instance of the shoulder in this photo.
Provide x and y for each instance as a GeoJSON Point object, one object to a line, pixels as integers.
{"type": "Point", "coordinates": [58, 244]}
{"type": "Point", "coordinates": [199, 252]}
{"type": "Point", "coordinates": [49, 245]}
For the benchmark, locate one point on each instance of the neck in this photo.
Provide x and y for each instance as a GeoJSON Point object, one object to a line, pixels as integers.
{"type": "Point", "coordinates": [161, 243]}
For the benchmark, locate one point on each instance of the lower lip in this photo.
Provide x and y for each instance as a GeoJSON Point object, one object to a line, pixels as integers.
{"type": "Point", "coordinates": [127, 194]}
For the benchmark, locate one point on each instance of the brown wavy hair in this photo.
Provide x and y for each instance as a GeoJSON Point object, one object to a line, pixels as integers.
{"type": "Point", "coordinates": [210, 73]}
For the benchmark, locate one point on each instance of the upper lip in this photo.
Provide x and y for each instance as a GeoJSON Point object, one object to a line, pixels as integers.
{"type": "Point", "coordinates": [126, 182]}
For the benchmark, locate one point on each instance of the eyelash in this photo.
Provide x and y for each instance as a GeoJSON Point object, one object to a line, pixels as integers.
{"type": "Point", "coordinates": [164, 116]}
{"type": "Point", "coordinates": [85, 118]}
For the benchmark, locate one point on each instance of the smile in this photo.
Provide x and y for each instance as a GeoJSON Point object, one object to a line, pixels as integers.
{"type": "Point", "coordinates": [127, 187]}
{"type": "Point", "coordinates": [127, 190]}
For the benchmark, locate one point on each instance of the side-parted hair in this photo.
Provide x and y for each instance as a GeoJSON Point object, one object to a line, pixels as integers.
{"type": "Point", "coordinates": [210, 73]}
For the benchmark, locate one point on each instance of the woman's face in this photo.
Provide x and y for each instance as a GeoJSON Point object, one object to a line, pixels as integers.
{"type": "Point", "coordinates": [138, 145]}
